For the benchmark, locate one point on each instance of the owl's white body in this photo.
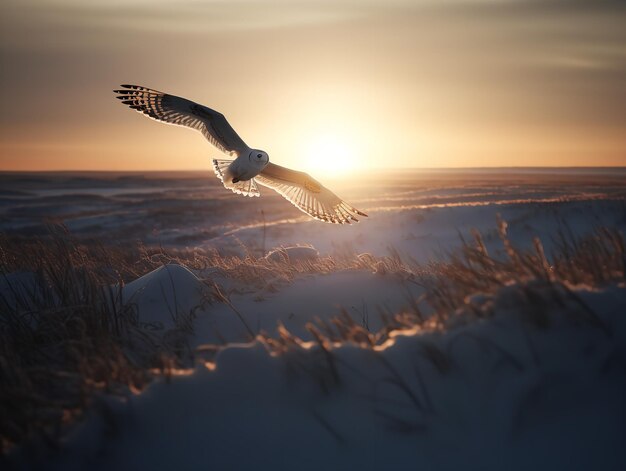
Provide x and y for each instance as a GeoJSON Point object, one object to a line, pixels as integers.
{"type": "Point", "coordinates": [245, 167]}
{"type": "Point", "coordinates": [250, 165]}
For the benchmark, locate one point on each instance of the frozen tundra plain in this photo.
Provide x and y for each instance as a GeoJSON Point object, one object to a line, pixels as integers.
{"type": "Point", "coordinates": [489, 391]}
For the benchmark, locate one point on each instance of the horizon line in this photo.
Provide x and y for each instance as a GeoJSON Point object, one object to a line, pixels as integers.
{"type": "Point", "coordinates": [529, 167]}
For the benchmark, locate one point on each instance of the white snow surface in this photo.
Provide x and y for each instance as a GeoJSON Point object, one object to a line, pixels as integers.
{"type": "Point", "coordinates": [499, 393]}
{"type": "Point", "coordinates": [297, 253]}
{"type": "Point", "coordinates": [165, 295]}
{"type": "Point", "coordinates": [490, 394]}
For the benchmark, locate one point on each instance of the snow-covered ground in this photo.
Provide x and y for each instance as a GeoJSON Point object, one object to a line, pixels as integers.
{"type": "Point", "coordinates": [500, 393]}
{"type": "Point", "coordinates": [417, 211]}
{"type": "Point", "coordinates": [531, 376]}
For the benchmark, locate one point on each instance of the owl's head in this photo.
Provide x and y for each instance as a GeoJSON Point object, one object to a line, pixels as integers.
{"type": "Point", "coordinates": [258, 158]}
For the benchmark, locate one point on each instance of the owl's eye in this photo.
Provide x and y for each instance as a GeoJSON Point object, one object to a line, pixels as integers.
{"type": "Point", "coordinates": [258, 156]}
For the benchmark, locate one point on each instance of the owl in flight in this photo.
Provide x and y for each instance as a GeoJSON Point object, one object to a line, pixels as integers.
{"type": "Point", "coordinates": [247, 166]}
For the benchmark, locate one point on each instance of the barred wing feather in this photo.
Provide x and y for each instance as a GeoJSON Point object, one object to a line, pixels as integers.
{"type": "Point", "coordinates": [182, 112]}
{"type": "Point", "coordinates": [307, 194]}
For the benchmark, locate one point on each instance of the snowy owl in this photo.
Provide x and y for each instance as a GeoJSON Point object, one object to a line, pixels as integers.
{"type": "Point", "coordinates": [247, 166]}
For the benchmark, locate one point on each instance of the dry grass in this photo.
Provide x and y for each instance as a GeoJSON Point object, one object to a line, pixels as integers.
{"type": "Point", "coordinates": [71, 334]}
{"type": "Point", "coordinates": [452, 287]}
{"type": "Point", "coordinates": [593, 260]}
{"type": "Point", "coordinates": [66, 333]}
{"type": "Point", "coordinates": [537, 286]}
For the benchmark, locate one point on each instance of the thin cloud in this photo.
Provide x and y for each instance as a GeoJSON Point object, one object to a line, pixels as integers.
{"type": "Point", "coordinates": [460, 82]}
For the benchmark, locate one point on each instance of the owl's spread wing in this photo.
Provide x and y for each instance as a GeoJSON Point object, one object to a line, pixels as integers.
{"type": "Point", "coordinates": [307, 194]}
{"type": "Point", "coordinates": [182, 112]}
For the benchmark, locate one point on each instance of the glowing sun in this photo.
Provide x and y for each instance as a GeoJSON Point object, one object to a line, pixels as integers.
{"type": "Point", "coordinates": [329, 155]}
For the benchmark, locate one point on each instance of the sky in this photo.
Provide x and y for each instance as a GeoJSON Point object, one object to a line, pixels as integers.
{"type": "Point", "coordinates": [321, 85]}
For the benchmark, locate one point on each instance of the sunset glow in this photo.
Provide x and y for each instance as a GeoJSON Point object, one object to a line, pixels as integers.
{"type": "Point", "coordinates": [416, 83]}
{"type": "Point", "coordinates": [329, 155]}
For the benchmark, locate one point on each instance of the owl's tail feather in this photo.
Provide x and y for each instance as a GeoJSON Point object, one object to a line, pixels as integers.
{"type": "Point", "coordinates": [242, 187]}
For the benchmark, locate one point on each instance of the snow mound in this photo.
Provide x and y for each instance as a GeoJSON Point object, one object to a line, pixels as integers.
{"type": "Point", "coordinates": [298, 253]}
{"type": "Point", "coordinates": [167, 296]}
{"type": "Point", "coordinates": [361, 294]}
{"type": "Point", "coordinates": [504, 392]}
